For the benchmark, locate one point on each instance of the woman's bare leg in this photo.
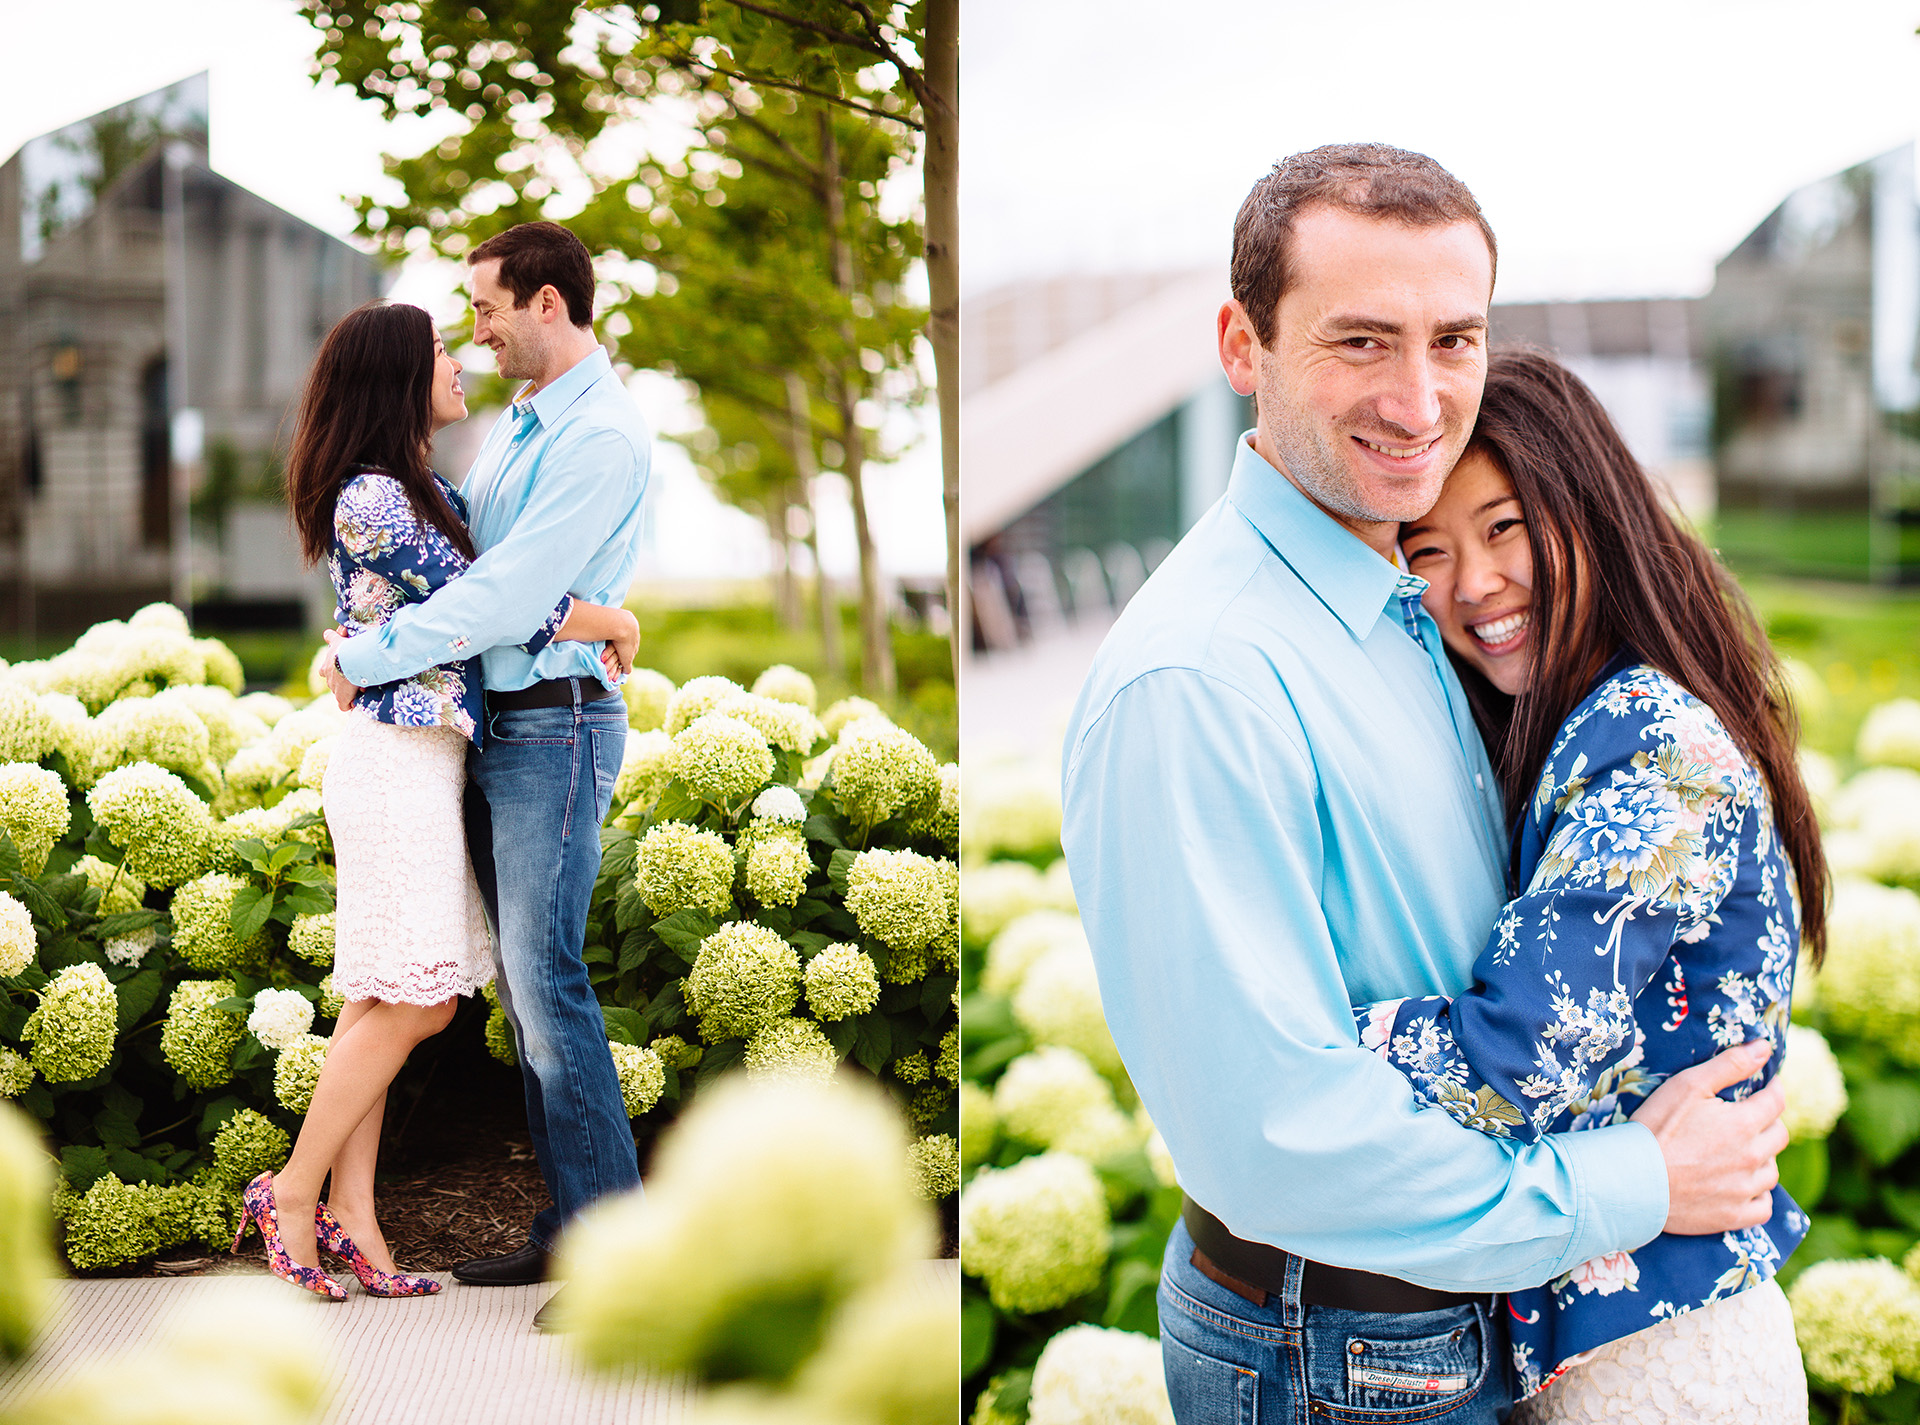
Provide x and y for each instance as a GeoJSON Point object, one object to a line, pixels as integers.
{"type": "Point", "coordinates": [350, 1188]}
{"type": "Point", "coordinates": [362, 1061]}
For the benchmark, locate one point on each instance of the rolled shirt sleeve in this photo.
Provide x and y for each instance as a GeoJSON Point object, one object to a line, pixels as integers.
{"type": "Point", "coordinates": [1200, 865]}
{"type": "Point", "coordinates": [515, 591]}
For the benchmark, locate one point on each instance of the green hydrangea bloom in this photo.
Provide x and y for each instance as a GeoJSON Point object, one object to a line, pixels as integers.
{"type": "Point", "coordinates": [268, 824]}
{"type": "Point", "coordinates": [268, 707]}
{"type": "Point", "coordinates": [892, 1356]}
{"type": "Point", "coordinates": [26, 1259]}
{"type": "Point", "coordinates": [646, 766]}
{"type": "Point", "coordinates": [197, 1038]}
{"type": "Point", "coordinates": [676, 1053]}
{"type": "Point", "coordinates": [947, 1065]}
{"type": "Point", "coordinates": [229, 726]}
{"type": "Point", "coordinates": [648, 695]}
{"type": "Point", "coordinates": [216, 1211]}
{"type": "Point", "coordinates": [120, 890]}
{"type": "Point", "coordinates": [643, 1078]}
{"type": "Point", "coordinates": [979, 1124]}
{"type": "Point", "coordinates": [311, 938]}
{"type": "Point", "coordinates": [500, 1038]}
{"type": "Point", "coordinates": [777, 868]}
{"type": "Point", "coordinates": [786, 725]}
{"type": "Point", "coordinates": [1022, 944]}
{"type": "Point", "coordinates": [70, 733]}
{"type": "Point", "coordinates": [331, 1000]}
{"type": "Point", "coordinates": [678, 867]}
{"type": "Point", "coordinates": [255, 768]}
{"type": "Point", "coordinates": [247, 1145]}
{"type": "Point", "coordinates": [34, 810]}
{"type": "Point", "coordinates": [1870, 982]}
{"type": "Point", "coordinates": [936, 1165]}
{"type": "Point", "coordinates": [297, 1070]}
{"type": "Point", "coordinates": [19, 945]}
{"type": "Point", "coordinates": [1058, 1002]}
{"type": "Point", "coordinates": [1815, 1086]}
{"type": "Point", "coordinates": [904, 967]}
{"type": "Point", "coordinates": [790, 1049]}
{"type": "Point", "coordinates": [787, 684]}
{"type": "Point", "coordinates": [1858, 1323]}
{"type": "Point", "coordinates": [221, 666]}
{"type": "Point", "coordinates": [744, 977]}
{"type": "Point", "coordinates": [696, 698]}
{"type": "Point", "coordinates": [911, 1068]}
{"type": "Point", "coordinates": [841, 982]}
{"type": "Point", "coordinates": [114, 1222]}
{"type": "Point", "coordinates": [997, 894]}
{"type": "Point", "coordinates": [986, 1409]}
{"type": "Point", "coordinates": [1089, 1373]}
{"type": "Point", "coordinates": [1038, 1232]}
{"type": "Point", "coordinates": [72, 1031]}
{"type": "Point", "coordinates": [898, 897]}
{"type": "Point", "coordinates": [722, 759]}
{"type": "Point", "coordinates": [16, 1073]}
{"type": "Point", "coordinates": [847, 710]}
{"type": "Point", "coordinates": [313, 762]}
{"type": "Point", "coordinates": [937, 817]}
{"type": "Point", "coordinates": [26, 732]}
{"type": "Point", "coordinates": [160, 615]}
{"type": "Point", "coordinates": [1013, 811]}
{"type": "Point", "coordinates": [202, 930]}
{"type": "Point", "coordinates": [152, 730]}
{"type": "Point", "coordinates": [880, 771]}
{"type": "Point", "coordinates": [151, 815]}
{"type": "Point", "coordinates": [929, 1101]}
{"type": "Point", "coordinates": [1053, 1098]}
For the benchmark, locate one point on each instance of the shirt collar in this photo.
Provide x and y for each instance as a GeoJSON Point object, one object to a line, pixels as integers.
{"type": "Point", "coordinates": [1344, 574]}
{"type": "Point", "coordinates": [557, 395]}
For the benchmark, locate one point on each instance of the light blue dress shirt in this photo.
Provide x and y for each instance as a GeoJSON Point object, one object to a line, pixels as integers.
{"type": "Point", "coordinates": [555, 497]}
{"type": "Point", "coordinates": [1277, 807]}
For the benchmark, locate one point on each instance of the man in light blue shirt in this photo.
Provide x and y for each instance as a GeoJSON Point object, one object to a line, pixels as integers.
{"type": "Point", "coordinates": [1277, 805]}
{"type": "Point", "coordinates": [555, 498]}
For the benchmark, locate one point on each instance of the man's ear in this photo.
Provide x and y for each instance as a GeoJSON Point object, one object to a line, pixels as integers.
{"type": "Point", "coordinates": [1239, 348]}
{"type": "Point", "coordinates": [553, 307]}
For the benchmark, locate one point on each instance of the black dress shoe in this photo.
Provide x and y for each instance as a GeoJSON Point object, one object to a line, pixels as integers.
{"type": "Point", "coordinates": [550, 1317]}
{"type": "Point", "coordinates": [519, 1268]}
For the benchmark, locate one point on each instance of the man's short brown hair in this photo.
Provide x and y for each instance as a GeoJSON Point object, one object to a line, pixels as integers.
{"type": "Point", "coordinates": [536, 255]}
{"type": "Point", "coordinates": [1368, 179]}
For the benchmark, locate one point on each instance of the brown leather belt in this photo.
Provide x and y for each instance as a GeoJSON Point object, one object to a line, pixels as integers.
{"type": "Point", "coordinates": [1255, 1270]}
{"type": "Point", "coordinates": [548, 693]}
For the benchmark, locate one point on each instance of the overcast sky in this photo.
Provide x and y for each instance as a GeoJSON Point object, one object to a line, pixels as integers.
{"type": "Point", "coordinates": [1618, 149]}
{"type": "Point", "coordinates": [303, 148]}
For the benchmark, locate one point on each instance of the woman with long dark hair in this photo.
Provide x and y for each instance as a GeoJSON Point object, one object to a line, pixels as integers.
{"type": "Point", "coordinates": [1666, 867]}
{"type": "Point", "coordinates": [410, 931]}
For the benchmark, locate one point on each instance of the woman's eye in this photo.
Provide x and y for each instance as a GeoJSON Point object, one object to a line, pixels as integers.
{"type": "Point", "coordinates": [1500, 527]}
{"type": "Point", "coordinates": [1413, 554]}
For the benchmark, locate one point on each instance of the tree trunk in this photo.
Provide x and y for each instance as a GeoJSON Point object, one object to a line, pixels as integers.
{"type": "Point", "coordinates": [800, 438]}
{"type": "Point", "coordinates": [786, 597]}
{"type": "Point", "coordinates": [942, 115]}
{"type": "Point", "coordinates": [876, 640]}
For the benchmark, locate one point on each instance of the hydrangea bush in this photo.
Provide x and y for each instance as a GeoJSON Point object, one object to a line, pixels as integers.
{"type": "Point", "coordinates": [778, 891]}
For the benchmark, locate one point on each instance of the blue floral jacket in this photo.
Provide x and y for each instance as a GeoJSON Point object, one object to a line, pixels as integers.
{"type": "Point", "coordinates": [1659, 925]}
{"type": "Point", "coordinates": [383, 558]}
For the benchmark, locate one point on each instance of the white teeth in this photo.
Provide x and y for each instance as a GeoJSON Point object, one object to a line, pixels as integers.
{"type": "Point", "coordinates": [1401, 452]}
{"type": "Point", "coordinates": [1501, 629]}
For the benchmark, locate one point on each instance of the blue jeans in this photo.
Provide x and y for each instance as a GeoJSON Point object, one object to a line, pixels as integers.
{"type": "Point", "coordinates": [1229, 1362]}
{"type": "Point", "coordinates": [536, 795]}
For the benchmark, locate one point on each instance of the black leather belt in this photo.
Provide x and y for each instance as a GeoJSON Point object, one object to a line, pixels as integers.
{"type": "Point", "coordinates": [548, 693]}
{"type": "Point", "coordinates": [1255, 1270]}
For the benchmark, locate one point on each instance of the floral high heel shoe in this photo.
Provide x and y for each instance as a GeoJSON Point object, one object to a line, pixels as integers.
{"type": "Point", "coordinates": [377, 1283]}
{"type": "Point", "coordinates": [259, 1210]}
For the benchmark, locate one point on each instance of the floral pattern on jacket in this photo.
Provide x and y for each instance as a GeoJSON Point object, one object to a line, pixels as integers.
{"type": "Point", "coordinates": [1659, 925]}
{"type": "Point", "coordinates": [384, 558]}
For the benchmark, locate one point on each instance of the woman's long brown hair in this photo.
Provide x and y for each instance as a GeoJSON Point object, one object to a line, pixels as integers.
{"type": "Point", "coordinates": [1603, 544]}
{"type": "Point", "coordinates": [368, 405]}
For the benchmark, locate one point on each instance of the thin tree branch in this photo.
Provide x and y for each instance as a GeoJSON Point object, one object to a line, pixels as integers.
{"type": "Point", "coordinates": [839, 37]}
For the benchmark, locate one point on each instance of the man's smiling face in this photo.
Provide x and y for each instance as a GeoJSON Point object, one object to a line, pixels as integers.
{"type": "Point", "coordinates": [1369, 388]}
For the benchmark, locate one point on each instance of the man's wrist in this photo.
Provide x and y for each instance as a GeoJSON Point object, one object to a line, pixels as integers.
{"type": "Point", "coordinates": [1621, 1176]}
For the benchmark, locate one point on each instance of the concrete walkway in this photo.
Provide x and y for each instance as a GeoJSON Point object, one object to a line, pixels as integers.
{"type": "Point", "coordinates": [467, 1355]}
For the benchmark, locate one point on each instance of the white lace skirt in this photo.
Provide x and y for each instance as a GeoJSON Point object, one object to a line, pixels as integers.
{"type": "Point", "coordinates": [1733, 1363]}
{"type": "Point", "coordinates": [410, 927]}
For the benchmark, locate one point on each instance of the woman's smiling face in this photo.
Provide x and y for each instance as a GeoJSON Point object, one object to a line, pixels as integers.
{"type": "Point", "coordinates": [1472, 550]}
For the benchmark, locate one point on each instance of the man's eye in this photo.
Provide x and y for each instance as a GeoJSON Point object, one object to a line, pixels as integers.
{"type": "Point", "coordinates": [1453, 341]}
{"type": "Point", "coordinates": [1358, 343]}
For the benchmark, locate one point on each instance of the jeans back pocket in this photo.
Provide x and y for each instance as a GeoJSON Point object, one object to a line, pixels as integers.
{"type": "Point", "coordinates": [1424, 1371]}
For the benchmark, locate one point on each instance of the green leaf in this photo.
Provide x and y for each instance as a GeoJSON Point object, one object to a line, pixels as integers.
{"type": "Point", "coordinates": [122, 1100]}
{"type": "Point", "coordinates": [936, 997]}
{"type": "Point", "coordinates": [217, 1113]}
{"type": "Point", "coordinates": [136, 995]}
{"type": "Point", "coordinates": [628, 909]}
{"type": "Point", "coordinates": [285, 855]}
{"type": "Point", "coordinates": [125, 923]}
{"type": "Point", "coordinates": [1016, 1389]}
{"type": "Point", "coordinates": [677, 803]}
{"type": "Point", "coordinates": [808, 942]}
{"type": "Point", "coordinates": [838, 868]}
{"type": "Point", "coordinates": [82, 1167]}
{"type": "Point", "coordinates": [251, 907]}
{"type": "Point", "coordinates": [116, 1130]}
{"type": "Point", "coordinates": [597, 955]}
{"type": "Point", "coordinates": [1884, 1117]}
{"type": "Point", "coordinates": [10, 869]}
{"type": "Point", "coordinates": [235, 1004]}
{"type": "Point", "coordinates": [624, 1026]}
{"type": "Point", "coordinates": [977, 1321]}
{"type": "Point", "coordinates": [1130, 1279]}
{"type": "Point", "coordinates": [718, 1059]}
{"type": "Point", "coordinates": [683, 931]}
{"type": "Point", "coordinates": [309, 874]}
{"type": "Point", "coordinates": [823, 828]}
{"type": "Point", "coordinates": [253, 851]}
{"type": "Point", "coordinates": [634, 950]}
{"type": "Point", "coordinates": [303, 900]}
{"type": "Point", "coordinates": [43, 907]}
{"type": "Point", "coordinates": [872, 1041]}
{"type": "Point", "coordinates": [1902, 1203]}
{"type": "Point", "coordinates": [133, 1167]}
{"type": "Point", "coordinates": [840, 1033]}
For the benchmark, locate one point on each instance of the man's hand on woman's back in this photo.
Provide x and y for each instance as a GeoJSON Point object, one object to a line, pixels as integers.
{"type": "Point", "coordinates": [1720, 1168]}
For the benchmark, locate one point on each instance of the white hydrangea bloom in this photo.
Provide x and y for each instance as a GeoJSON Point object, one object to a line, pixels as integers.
{"type": "Point", "coordinates": [1053, 1097]}
{"type": "Point", "coordinates": [132, 948]}
{"type": "Point", "coordinates": [996, 894]}
{"type": "Point", "coordinates": [780, 804]}
{"type": "Point", "coordinates": [1016, 949]}
{"type": "Point", "coordinates": [1091, 1375]}
{"type": "Point", "coordinates": [1816, 1089]}
{"type": "Point", "coordinates": [1012, 809]}
{"type": "Point", "coordinates": [18, 945]}
{"type": "Point", "coordinates": [280, 1017]}
{"type": "Point", "coordinates": [1882, 804]}
{"type": "Point", "coordinates": [1870, 982]}
{"type": "Point", "coordinates": [1058, 1002]}
{"type": "Point", "coordinates": [1890, 734]}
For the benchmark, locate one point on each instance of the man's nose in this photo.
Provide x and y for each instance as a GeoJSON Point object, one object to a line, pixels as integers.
{"type": "Point", "coordinates": [1411, 399]}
